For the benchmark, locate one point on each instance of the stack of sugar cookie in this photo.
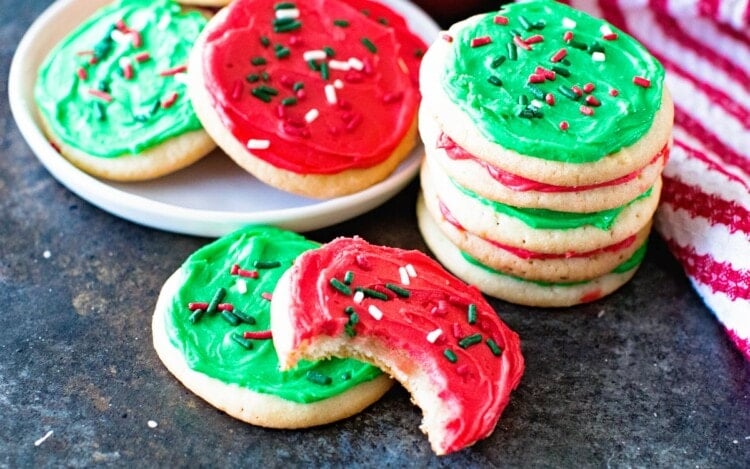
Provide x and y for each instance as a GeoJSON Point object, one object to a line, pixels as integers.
{"type": "Point", "coordinates": [546, 131]}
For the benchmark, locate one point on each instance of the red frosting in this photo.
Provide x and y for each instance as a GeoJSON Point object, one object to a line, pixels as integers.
{"type": "Point", "coordinates": [375, 100]}
{"type": "Point", "coordinates": [527, 254]}
{"type": "Point", "coordinates": [522, 184]}
{"type": "Point", "coordinates": [476, 386]}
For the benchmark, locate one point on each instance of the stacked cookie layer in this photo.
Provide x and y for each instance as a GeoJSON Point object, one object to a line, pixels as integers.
{"type": "Point", "coordinates": [545, 131]}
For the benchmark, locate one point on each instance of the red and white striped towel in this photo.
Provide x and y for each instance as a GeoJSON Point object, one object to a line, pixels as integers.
{"type": "Point", "coordinates": [704, 214]}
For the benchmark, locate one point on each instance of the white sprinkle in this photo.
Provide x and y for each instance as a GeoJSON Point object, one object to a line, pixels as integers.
{"type": "Point", "coordinates": [255, 144]}
{"type": "Point", "coordinates": [433, 336]}
{"type": "Point", "coordinates": [404, 276]}
{"type": "Point", "coordinates": [311, 115]}
{"type": "Point", "coordinates": [124, 62]}
{"type": "Point", "coordinates": [46, 254]}
{"type": "Point", "coordinates": [241, 286]}
{"type": "Point", "coordinates": [536, 103]}
{"type": "Point", "coordinates": [410, 270]}
{"type": "Point", "coordinates": [44, 438]}
{"type": "Point", "coordinates": [605, 29]}
{"type": "Point", "coordinates": [163, 22]}
{"type": "Point", "coordinates": [331, 94]}
{"type": "Point", "coordinates": [152, 424]}
{"type": "Point", "coordinates": [120, 37]}
{"type": "Point", "coordinates": [339, 65]}
{"type": "Point", "coordinates": [287, 13]}
{"type": "Point", "coordinates": [598, 56]}
{"type": "Point", "coordinates": [358, 297]}
{"type": "Point", "coordinates": [356, 64]}
{"type": "Point", "coordinates": [375, 312]}
{"type": "Point", "coordinates": [180, 78]}
{"type": "Point", "coordinates": [338, 84]}
{"type": "Point", "coordinates": [568, 23]}
{"type": "Point", "coordinates": [315, 54]}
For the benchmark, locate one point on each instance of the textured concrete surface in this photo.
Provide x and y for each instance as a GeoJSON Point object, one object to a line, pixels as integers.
{"type": "Point", "coordinates": [644, 378]}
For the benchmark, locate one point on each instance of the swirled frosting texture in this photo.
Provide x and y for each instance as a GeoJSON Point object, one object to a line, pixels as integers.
{"type": "Point", "coordinates": [328, 91]}
{"type": "Point", "coordinates": [112, 87]}
{"type": "Point", "coordinates": [208, 345]}
{"type": "Point", "coordinates": [427, 317]}
{"type": "Point", "coordinates": [502, 67]}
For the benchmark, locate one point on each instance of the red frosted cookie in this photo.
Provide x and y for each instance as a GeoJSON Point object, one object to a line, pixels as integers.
{"type": "Point", "coordinates": [401, 311]}
{"type": "Point", "coordinates": [314, 97]}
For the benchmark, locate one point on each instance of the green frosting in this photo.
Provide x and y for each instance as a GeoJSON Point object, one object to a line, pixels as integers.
{"type": "Point", "coordinates": [632, 262]}
{"type": "Point", "coordinates": [155, 36]}
{"type": "Point", "coordinates": [544, 219]}
{"type": "Point", "coordinates": [494, 89]}
{"type": "Point", "coordinates": [208, 344]}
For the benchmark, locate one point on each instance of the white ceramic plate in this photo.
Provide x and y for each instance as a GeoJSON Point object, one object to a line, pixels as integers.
{"type": "Point", "coordinates": [213, 196]}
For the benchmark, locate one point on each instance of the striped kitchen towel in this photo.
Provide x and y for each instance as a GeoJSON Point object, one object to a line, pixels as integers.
{"type": "Point", "coordinates": [704, 214]}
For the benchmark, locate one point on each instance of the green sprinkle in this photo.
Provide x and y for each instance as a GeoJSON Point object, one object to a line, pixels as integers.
{"type": "Point", "coordinates": [418, 53]}
{"type": "Point", "coordinates": [595, 47]}
{"type": "Point", "coordinates": [267, 264]}
{"type": "Point", "coordinates": [402, 292]}
{"type": "Point", "coordinates": [298, 86]}
{"type": "Point", "coordinates": [561, 70]}
{"type": "Point", "coordinates": [246, 318]}
{"type": "Point", "coordinates": [496, 351]}
{"type": "Point", "coordinates": [578, 44]}
{"type": "Point", "coordinates": [470, 340]}
{"type": "Point", "coordinates": [512, 52]}
{"type": "Point", "coordinates": [383, 21]}
{"type": "Point", "coordinates": [346, 376]}
{"type": "Point", "coordinates": [218, 296]}
{"type": "Point", "coordinates": [498, 61]}
{"type": "Point", "coordinates": [258, 60]}
{"type": "Point", "coordinates": [247, 343]}
{"type": "Point", "coordinates": [568, 93]}
{"type": "Point", "coordinates": [318, 377]}
{"type": "Point", "coordinates": [348, 277]}
{"type": "Point", "coordinates": [324, 72]}
{"type": "Point", "coordinates": [258, 93]}
{"type": "Point", "coordinates": [450, 355]}
{"type": "Point", "coordinates": [493, 80]}
{"type": "Point", "coordinates": [103, 85]}
{"type": "Point", "coordinates": [369, 45]}
{"type": "Point", "coordinates": [349, 330]}
{"type": "Point", "coordinates": [284, 6]}
{"type": "Point", "coordinates": [231, 318]}
{"type": "Point", "coordinates": [290, 101]}
{"type": "Point", "coordinates": [252, 78]}
{"type": "Point", "coordinates": [365, 11]}
{"type": "Point", "coordinates": [264, 41]}
{"type": "Point", "coordinates": [523, 100]}
{"type": "Point", "coordinates": [472, 314]}
{"type": "Point", "coordinates": [342, 288]}
{"type": "Point", "coordinates": [196, 316]}
{"type": "Point", "coordinates": [341, 23]}
{"type": "Point", "coordinates": [349, 310]}
{"type": "Point", "coordinates": [265, 76]}
{"type": "Point", "coordinates": [539, 24]}
{"type": "Point", "coordinates": [313, 65]}
{"type": "Point", "coordinates": [369, 292]}
{"type": "Point", "coordinates": [537, 92]}
{"type": "Point", "coordinates": [329, 51]}
{"type": "Point", "coordinates": [283, 21]}
{"type": "Point", "coordinates": [281, 51]}
{"type": "Point", "coordinates": [286, 26]}
{"type": "Point", "coordinates": [100, 112]}
{"type": "Point", "coordinates": [525, 24]}
{"type": "Point", "coordinates": [353, 319]}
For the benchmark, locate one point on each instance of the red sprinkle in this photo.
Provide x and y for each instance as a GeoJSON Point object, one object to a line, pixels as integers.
{"type": "Point", "coordinates": [641, 81]}
{"type": "Point", "coordinates": [225, 307]}
{"type": "Point", "coordinates": [257, 335]}
{"type": "Point", "coordinates": [592, 101]}
{"type": "Point", "coordinates": [610, 37]}
{"type": "Point", "coordinates": [235, 269]}
{"type": "Point", "coordinates": [568, 36]}
{"type": "Point", "coordinates": [550, 99]}
{"type": "Point", "coordinates": [193, 305]}
{"type": "Point", "coordinates": [169, 101]}
{"type": "Point", "coordinates": [127, 71]}
{"type": "Point", "coordinates": [481, 41]}
{"type": "Point", "coordinates": [577, 90]}
{"type": "Point", "coordinates": [82, 73]}
{"type": "Point", "coordinates": [548, 74]}
{"type": "Point", "coordinates": [536, 78]}
{"type": "Point", "coordinates": [266, 296]}
{"type": "Point", "coordinates": [247, 273]}
{"type": "Point", "coordinates": [237, 90]}
{"type": "Point", "coordinates": [586, 111]}
{"type": "Point", "coordinates": [447, 37]}
{"type": "Point", "coordinates": [613, 92]}
{"type": "Point", "coordinates": [503, 20]}
{"type": "Point", "coordinates": [394, 97]}
{"type": "Point", "coordinates": [142, 57]}
{"type": "Point", "coordinates": [559, 55]}
{"type": "Point", "coordinates": [100, 94]}
{"type": "Point", "coordinates": [534, 39]}
{"type": "Point", "coordinates": [136, 38]}
{"type": "Point", "coordinates": [521, 43]}
{"type": "Point", "coordinates": [564, 125]}
{"type": "Point", "coordinates": [588, 87]}
{"type": "Point", "coordinates": [173, 70]}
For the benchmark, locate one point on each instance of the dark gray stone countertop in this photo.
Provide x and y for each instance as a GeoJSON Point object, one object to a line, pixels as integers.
{"type": "Point", "coordinates": [643, 378]}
